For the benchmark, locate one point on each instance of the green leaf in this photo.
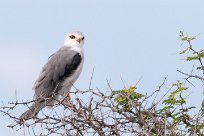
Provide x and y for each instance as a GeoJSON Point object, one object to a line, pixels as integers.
{"type": "Point", "coordinates": [170, 101]}
{"type": "Point", "coordinates": [201, 55]}
{"type": "Point", "coordinates": [136, 96]}
{"type": "Point", "coordinates": [187, 109]}
{"type": "Point", "coordinates": [166, 108]}
{"type": "Point", "coordinates": [187, 38]}
{"type": "Point", "coordinates": [184, 51]}
{"type": "Point", "coordinates": [184, 38]}
{"type": "Point", "coordinates": [179, 90]}
{"type": "Point", "coordinates": [191, 38]}
{"type": "Point", "coordinates": [192, 58]}
{"type": "Point", "coordinates": [202, 108]}
{"type": "Point", "coordinates": [116, 91]}
{"type": "Point", "coordinates": [177, 120]}
{"type": "Point", "coordinates": [126, 98]}
{"type": "Point", "coordinates": [181, 101]}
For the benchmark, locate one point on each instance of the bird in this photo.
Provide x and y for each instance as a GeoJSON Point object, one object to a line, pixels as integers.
{"type": "Point", "coordinates": [58, 74]}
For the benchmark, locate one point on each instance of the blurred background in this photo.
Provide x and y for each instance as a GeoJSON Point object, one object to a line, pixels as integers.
{"type": "Point", "coordinates": [131, 40]}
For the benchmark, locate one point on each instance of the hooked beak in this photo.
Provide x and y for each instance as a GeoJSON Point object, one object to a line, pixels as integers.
{"type": "Point", "coordinates": [80, 39]}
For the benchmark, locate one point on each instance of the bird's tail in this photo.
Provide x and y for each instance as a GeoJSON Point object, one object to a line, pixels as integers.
{"type": "Point", "coordinates": [33, 110]}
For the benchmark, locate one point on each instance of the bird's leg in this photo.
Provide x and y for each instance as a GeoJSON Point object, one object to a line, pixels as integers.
{"type": "Point", "coordinates": [66, 100]}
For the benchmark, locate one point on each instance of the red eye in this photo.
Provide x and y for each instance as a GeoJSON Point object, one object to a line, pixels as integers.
{"type": "Point", "coordinates": [72, 36]}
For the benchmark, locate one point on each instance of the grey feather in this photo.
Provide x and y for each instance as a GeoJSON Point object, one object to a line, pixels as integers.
{"type": "Point", "coordinates": [52, 71]}
{"type": "Point", "coordinates": [60, 66]}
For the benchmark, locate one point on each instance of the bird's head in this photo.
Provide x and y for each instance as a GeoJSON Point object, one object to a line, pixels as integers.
{"type": "Point", "coordinates": [73, 39]}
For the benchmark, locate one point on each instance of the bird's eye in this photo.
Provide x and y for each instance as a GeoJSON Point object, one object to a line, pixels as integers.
{"type": "Point", "coordinates": [72, 36]}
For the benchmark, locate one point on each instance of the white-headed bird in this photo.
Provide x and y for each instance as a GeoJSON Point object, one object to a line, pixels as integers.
{"type": "Point", "coordinates": [58, 74]}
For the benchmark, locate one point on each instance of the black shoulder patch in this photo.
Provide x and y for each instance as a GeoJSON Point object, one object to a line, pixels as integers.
{"type": "Point", "coordinates": [70, 68]}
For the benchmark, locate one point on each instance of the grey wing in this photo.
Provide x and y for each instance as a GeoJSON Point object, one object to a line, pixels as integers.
{"type": "Point", "coordinates": [59, 66]}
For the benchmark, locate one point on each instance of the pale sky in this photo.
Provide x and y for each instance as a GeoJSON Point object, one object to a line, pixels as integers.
{"type": "Point", "coordinates": [132, 39]}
